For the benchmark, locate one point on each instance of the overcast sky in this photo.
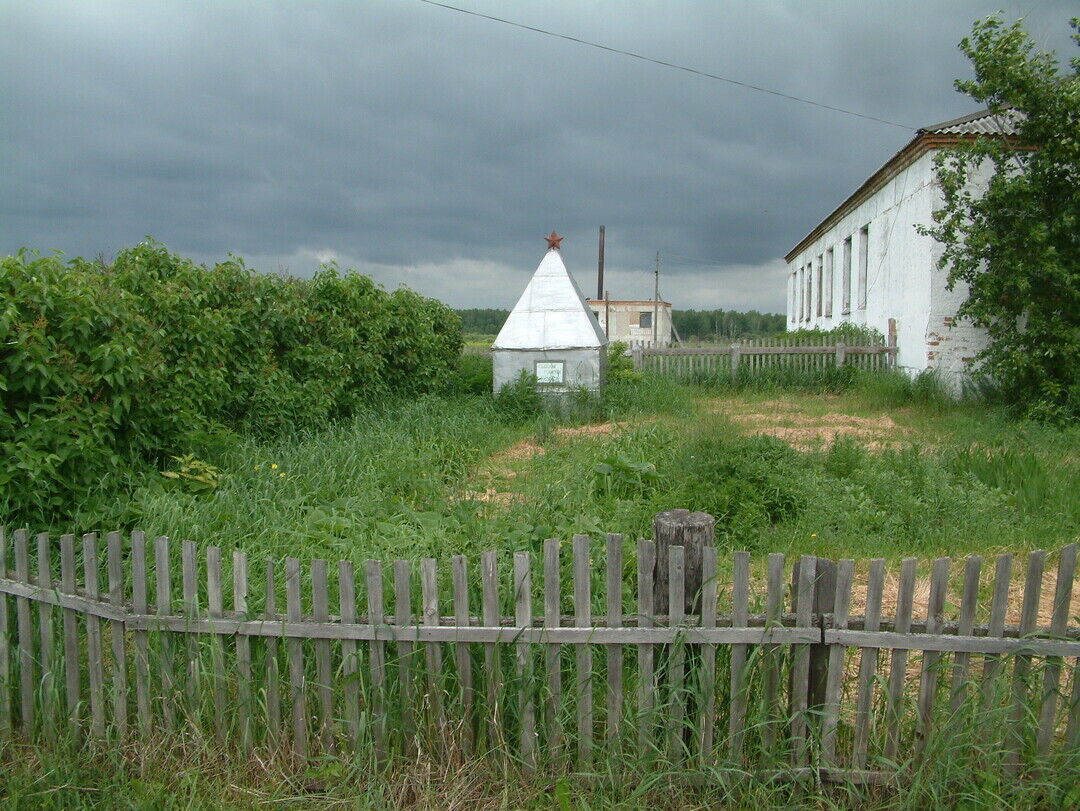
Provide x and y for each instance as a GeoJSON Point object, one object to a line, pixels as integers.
{"type": "Point", "coordinates": [434, 149]}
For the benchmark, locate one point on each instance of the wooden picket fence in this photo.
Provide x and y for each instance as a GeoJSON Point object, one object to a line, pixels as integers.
{"type": "Point", "coordinates": [804, 689]}
{"type": "Point", "coordinates": [749, 356]}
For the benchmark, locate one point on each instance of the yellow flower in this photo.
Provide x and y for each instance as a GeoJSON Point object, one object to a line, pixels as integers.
{"type": "Point", "coordinates": [282, 475]}
{"type": "Point", "coordinates": [813, 534]}
{"type": "Point", "coordinates": [258, 466]}
{"type": "Point", "coordinates": [273, 466]}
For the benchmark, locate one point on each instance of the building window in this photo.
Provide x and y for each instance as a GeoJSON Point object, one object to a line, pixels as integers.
{"type": "Point", "coordinates": [809, 289]}
{"type": "Point", "coordinates": [793, 295]}
{"type": "Point", "coordinates": [828, 282]}
{"type": "Point", "coordinates": [820, 288]}
{"type": "Point", "coordinates": [798, 295]}
{"type": "Point", "coordinates": [864, 261]}
{"type": "Point", "coordinates": [645, 320]}
{"type": "Point", "coordinates": [845, 279]}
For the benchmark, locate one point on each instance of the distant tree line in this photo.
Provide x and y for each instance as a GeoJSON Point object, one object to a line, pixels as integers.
{"type": "Point", "coordinates": [703, 324]}
{"type": "Point", "coordinates": [484, 322]}
{"type": "Point", "coordinates": [699, 324]}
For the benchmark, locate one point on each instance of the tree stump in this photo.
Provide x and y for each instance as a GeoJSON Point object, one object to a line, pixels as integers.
{"type": "Point", "coordinates": [692, 531]}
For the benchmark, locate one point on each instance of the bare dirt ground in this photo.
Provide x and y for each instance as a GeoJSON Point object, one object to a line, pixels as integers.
{"type": "Point", "coordinates": [804, 430]}
{"type": "Point", "coordinates": [921, 599]}
{"type": "Point", "coordinates": [499, 466]}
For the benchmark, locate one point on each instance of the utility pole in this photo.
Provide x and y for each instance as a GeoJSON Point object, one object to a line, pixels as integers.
{"type": "Point", "coordinates": [600, 267]}
{"type": "Point", "coordinates": [656, 301]}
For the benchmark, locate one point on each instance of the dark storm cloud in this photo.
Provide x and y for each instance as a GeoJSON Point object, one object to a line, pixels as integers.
{"type": "Point", "coordinates": [434, 149]}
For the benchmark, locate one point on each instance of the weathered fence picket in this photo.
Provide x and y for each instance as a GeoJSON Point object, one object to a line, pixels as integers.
{"type": "Point", "coordinates": [752, 356]}
{"type": "Point", "coordinates": [45, 646]}
{"type": "Point", "coordinates": [784, 700]}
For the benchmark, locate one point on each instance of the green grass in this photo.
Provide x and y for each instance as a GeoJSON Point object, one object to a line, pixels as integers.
{"type": "Point", "coordinates": [405, 480]}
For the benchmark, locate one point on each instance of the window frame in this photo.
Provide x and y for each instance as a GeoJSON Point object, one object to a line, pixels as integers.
{"type": "Point", "coordinates": [864, 263]}
{"type": "Point", "coordinates": [845, 278]}
{"type": "Point", "coordinates": [830, 272]}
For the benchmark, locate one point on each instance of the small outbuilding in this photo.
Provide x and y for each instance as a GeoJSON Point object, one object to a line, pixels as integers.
{"type": "Point", "coordinates": [551, 333]}
{"type": "Point", "coordinates": [636, 322]}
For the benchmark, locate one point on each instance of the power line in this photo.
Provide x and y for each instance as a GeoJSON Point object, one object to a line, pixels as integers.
{"type": "Point", "coordinates": [666, 64]}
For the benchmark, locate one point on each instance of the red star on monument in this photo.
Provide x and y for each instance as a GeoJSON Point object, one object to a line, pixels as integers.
{"type": "Point", "coordinates": [554, 241]}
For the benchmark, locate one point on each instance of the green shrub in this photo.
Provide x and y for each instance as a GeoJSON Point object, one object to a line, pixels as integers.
{"type": "Point", "coordinates": [746, 483]}
{"type": "Point", "coordinates": [620, 367]}
{"type": "Point", "coordinates": [623, 477]}
{"type": "Point", "coordinates": [519, 401]}
{"type": "Point", "coordinates": [105, 368]}
{"type": "Point", "coordinates": [473, 374]}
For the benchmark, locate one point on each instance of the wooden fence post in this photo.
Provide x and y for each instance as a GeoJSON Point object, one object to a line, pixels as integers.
{"type": "Point", "coordinates": [841, 354]}
{"type": "Point", "coordinates": [692, 531]}
{"type": "Point", "coordinates": [734, 362]}
{"type": "Point", "coordinates": [637, 356]}
{"type": "Point", "coordinates": [891, 359]}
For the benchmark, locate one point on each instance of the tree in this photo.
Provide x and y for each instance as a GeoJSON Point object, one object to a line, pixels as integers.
{"type": "Point", "coordinates": [1017, 245]}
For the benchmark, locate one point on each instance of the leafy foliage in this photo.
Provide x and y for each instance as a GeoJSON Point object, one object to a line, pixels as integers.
{"type": "Point", "coordinates": [482, 321]}
{"type": "Point", "coordinates": [519, 401]}
{"type": "Point", "coordinates": [621, 476]}
{"type": "Point", "coordinates": [193, 475]}
{"type": "Point", "coordinates": [620, 368]}
{"type": "Point", "coordinates": [726, 324]}
{"type": "Point", "coordinates": [473, 374]}
{"type": "Point", "coordinates": [1017, 246]}
{"type": "Point", "coordinates": [746, 483]}
{"type": "Point", "coordinates": [691, 324]}
{"type": "Point", "coordinates": [102, 367]}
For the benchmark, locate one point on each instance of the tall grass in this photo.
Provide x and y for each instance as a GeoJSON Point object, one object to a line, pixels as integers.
{"type": "Point", "coordinates": [652, 761]}
{"type": "Point", "coordinates": [406, 480]}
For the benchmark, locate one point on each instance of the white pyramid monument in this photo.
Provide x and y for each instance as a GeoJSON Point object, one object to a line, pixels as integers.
{"type": "Point", "coordinates": [551, 333]}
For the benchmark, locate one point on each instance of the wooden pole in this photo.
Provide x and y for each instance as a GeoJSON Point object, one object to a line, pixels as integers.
{"type": "Point", "coordinates": [693, 531]}
{"type": "Point", "coordinates": [600, 267]}
{"type": "Point", "coordinates": [656, 308]}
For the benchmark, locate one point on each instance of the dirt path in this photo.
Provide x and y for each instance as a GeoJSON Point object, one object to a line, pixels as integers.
{"type": "Point", "coordinates": [795, 424]}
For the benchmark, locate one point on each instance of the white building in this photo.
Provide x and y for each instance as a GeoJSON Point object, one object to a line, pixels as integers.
{"type": "Point", "coordinates": [551, 333]}
{"type": "Point", "coordinates": [866, 264]}
{"type": "Point", "coordinates": [632, 321]}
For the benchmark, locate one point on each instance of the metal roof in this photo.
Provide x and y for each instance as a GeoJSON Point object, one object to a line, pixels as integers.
{"type": "Point", "coordinates": [936, 136]}
{"type": "Point", "coordinates": [551, 313]}
{"type": "Point", "coordinates": [982, 122]}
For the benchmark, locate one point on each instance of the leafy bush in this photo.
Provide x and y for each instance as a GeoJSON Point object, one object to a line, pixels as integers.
{"type": "Point", "coordinates": [620, 368]}
{"type": "Point", "coordinates": [1013, 249]}
{"type": "Point", "coordinates": [746, 483]}
{"type": "Point", "coordinates": [104, 367]}
{"type": "Point", "coordinates": [519, 401]}
{"type": "Point", "coordinates": [619, 475]}
{"type": "Point", "coordinates": [193, 475]}
{"type": "Point", "coordinates": [855, 334]}
{"type": "Point", "coordinates": [473, 374]}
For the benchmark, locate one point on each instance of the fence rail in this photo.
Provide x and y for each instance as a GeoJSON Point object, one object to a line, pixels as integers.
{"type": "Point", "coordinates": [788, 681]}
{"type": "Point", "coordinates": [750, 356]}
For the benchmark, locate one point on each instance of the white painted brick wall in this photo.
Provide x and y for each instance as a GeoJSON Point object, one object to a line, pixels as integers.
{"type": "Point", "coordinates": [903, 281]}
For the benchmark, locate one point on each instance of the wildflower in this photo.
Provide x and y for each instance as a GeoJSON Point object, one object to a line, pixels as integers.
{"type": "Point", "coordinates": [258, 467]}
{"type": "Point", "coordinates": [273, 466]}
{"type": "Point", "coordinates": [813, 534]}
{"type": "Point", "coordinates": [282, 475]}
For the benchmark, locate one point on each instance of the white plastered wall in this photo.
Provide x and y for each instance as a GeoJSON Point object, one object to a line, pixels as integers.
{"type": "Point", "coordinates": [902, 278]}
{"type": "Point", "coordinates": [583, 368]}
